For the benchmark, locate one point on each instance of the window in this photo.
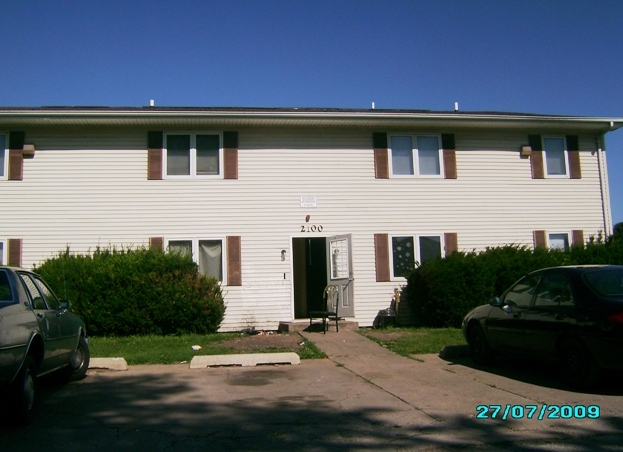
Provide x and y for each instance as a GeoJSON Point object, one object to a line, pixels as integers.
{"type": "Point", "coordinates": [555, 156]}
{"type": "Point", "coordinates": [192, 154]}
{"type": "Point", "coordinates": [559, 241]}
{"type": "Point", "coordinates": [2, 252]}
{"type": "Point", "coordinates": [405, 253]}
{"type": "Point", "coordinates": [3, 157]}
{"type": "Point", "coordinates": [208, 253]}
{"type": "Point", "coordinates": [521, 293]}
{"type": "Point", "coordinates": [554, 290]}
{"type": "Point", "coordinates": [415, 155]}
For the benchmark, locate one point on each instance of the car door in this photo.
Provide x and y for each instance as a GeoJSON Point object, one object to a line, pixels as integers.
{"type": "Point", "coordinates": [69, 328]}
{"type": "Point", "coordinates": [505, 324]}
{"type": "Point", "coordinates": [550, 315]}
{"type": "Point", "coordinates": [49, 324]}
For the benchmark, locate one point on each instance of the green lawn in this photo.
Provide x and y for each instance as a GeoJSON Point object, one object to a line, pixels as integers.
{"type": "Point", "coordinates": [176, 349]}
{"type": "Point", "coordinates": [415, 341]}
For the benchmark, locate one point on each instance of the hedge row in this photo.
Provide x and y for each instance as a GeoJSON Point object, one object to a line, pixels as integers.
{"type": "Point", "coordinates": [442, 291]}
{"type": "Point", "coordinates": [126, 292]}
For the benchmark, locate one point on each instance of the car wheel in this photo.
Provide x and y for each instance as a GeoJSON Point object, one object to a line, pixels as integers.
{"type": "Point", "coordinates": [478, 346]}
{"type": "Point", "coordinates": [79, 360]}
{"type": "Point", "coordinates": [23, 392]}
{"type": "Point", "coordinates": [577, 366]}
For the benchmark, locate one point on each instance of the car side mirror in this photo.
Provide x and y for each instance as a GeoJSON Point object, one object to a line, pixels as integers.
{"type": "Point", "coordinates": [497, 302]}
{"type": "Point", "coordinates": [65, 304]}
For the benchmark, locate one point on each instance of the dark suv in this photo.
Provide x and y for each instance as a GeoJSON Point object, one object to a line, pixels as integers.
{"type": "Point", "coordinates": [38, 335]}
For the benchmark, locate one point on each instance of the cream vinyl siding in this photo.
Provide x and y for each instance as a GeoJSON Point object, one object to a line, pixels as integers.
{"type": "Point", "coordinates": [89, 187]}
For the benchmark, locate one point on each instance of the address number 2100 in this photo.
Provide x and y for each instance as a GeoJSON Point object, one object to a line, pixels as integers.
{"type": "Point", "coordinates": [311, 228]}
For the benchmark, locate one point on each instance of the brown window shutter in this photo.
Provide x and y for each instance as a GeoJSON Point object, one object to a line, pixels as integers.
{"type": "Point", "coordinates": [155, 143]}
{"type": "Point", "coordinates": [381, 155]}
{"type": "Point", "coordinates": [14, 254]}
{"type": "Point", "coordinates": [154, 164]}
{"type": "Point", "coordinates": [449, 164]}
{"type": "Point", "coordinates": [577, 237]}
{"type": "Point", "coordinates": [234, 263]}
{"type": "Point", "coordinates": [16, 164]}
{"type": "Point", "coordinates": [536, 162]}
{"type": "Point", "coordinates": [156, 243]}
{"type": "Point", "coordinates": [539, 239]}
{"type": "Point", "coordinates": [452, 242]}
{"type": "Point", "coordinates": [381, 257]}
{"type": "Point", "coordinates": [536, 158]}
{"type": "Point", "coordinates": [573, 150]}
{"type": "Point", "coordinates": [230, 155]}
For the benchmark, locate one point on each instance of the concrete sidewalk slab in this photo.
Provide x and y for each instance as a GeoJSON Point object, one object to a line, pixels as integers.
{"type": "Point", "coordinates": [108, 363]}
{"type": "Point", "coordinates": [244, 360]}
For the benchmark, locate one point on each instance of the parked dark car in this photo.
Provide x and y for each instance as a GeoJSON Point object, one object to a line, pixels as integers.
{"type": "Point", "coordinates": [38, 335]}
{"type": "Point", "coordinates": [573, 315]}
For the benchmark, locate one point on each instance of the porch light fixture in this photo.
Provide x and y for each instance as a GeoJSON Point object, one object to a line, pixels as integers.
{"type": "Point", "coordinates": [28, 151]}
{"type": "Point", "coordinates": [283, 255]}
{"type": "Point", "coordinates": [526, 151]}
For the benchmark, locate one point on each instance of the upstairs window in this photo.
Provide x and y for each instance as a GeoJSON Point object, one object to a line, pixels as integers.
{"type": "Point", "coordinates": [192, 154]}
{"type": "Point", "coordinates": [415, 155]}
{"type": "Point", "coordinates": [555, 156]}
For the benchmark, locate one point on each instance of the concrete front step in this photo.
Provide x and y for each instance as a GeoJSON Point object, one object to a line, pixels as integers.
{"type": "Point", "coordinates": [316, 326]}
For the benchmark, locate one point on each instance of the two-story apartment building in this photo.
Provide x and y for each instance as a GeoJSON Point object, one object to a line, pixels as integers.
{"type": "Point", "coordinates": [277, 203]}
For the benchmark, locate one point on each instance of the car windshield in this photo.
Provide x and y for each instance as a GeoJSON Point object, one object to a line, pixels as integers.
{"type": "Point", "coordinates": [606, 282]}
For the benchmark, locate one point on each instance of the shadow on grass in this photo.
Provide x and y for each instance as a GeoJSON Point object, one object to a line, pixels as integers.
{"type": "Point", "coordinates": [168, 411]}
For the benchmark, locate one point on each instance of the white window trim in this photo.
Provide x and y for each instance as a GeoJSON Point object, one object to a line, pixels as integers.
{"type": "Point", "coordinates": [3, 254]}
{"type": "Point", "coordinates": [567, 233]}
{"type": "Point", "coordinates": [415, 156]}
{"type": "Point", "coordinates": [193, 156]}
{"type": "Point", "coordinates": [195, 247]}
{"type": "Point", "coordinates": [565, 157]}
{"type": "Point", "coordinates": [416, 244]}
{"type": "Point", "coordinates": [5, 168]}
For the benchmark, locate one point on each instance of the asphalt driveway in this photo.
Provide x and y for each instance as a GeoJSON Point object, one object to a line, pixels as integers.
{"type": "Point", "coordinates": [362, 398]}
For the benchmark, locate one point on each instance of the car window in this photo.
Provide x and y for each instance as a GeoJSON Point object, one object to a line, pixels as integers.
{"type": "Point", "coordinates": [554, 290]}
{"type": "Point", "coordinates": [606, 282]}
{"type": "Point", "coordinates": [5, 288]}
{"type": "Point", "coordinates": [49, 296]}
{"type": "Point", "coordinates": [38, 302]}
{"type": "Point", "coordinates": [521, 293]}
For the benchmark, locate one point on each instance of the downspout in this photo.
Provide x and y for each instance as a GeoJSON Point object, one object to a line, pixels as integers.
{"type": "Point", "coordinates": [605, 189]}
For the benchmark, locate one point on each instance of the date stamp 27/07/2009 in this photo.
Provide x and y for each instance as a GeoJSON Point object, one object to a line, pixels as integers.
{"type": "Point", "coordinates": [541, 412]}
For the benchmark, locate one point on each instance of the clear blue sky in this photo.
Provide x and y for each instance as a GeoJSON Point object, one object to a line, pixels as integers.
{"type": "Point", "coordinates": [528, 56]}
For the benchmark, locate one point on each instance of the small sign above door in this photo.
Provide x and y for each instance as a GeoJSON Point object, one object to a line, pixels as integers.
{"type": "Point", "coordinates": [308, 201]}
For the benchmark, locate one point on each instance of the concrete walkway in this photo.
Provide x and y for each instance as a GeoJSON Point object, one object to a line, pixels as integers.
{"type": "Point", "coordinates": [446, 393]}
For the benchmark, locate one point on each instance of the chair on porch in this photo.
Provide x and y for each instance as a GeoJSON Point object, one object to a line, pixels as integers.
{"type": "Point", "coordinates": [331, 293]}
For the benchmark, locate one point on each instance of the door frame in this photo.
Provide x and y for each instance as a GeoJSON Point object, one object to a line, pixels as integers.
{"type": "Point", "coordinates": [326, 236]}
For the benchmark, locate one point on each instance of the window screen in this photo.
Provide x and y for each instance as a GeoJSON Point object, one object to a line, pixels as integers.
{"type": "Point", "coordinates": [402, 155]}
{"type": "Point", "coordinates": [211, 258]}
{"type": "Point", "coordinates": [430, 248]}
{"type": "Point", "coordinates": [555, 156]}
{"type": "Point", "coordinates": [428, 156]}
{"type": "Point", "coordinates": [207, 154]}
{"type": "Point", "coordinates": [403, 252]}
{"type": "Point", "coordinates": [178, 155]}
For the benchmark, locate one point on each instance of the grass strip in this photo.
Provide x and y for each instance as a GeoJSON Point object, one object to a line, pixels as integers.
{"type": "Point", "coordinates": [415, 341]}
{"type": "Point", "coordinates": [152, 349]}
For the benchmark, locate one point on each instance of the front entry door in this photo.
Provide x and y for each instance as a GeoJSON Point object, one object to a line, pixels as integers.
{"type": "Point", "coordinates": [340, 272]}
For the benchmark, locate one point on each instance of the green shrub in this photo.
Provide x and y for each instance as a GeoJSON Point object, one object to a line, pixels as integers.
{"type": "Point", "coordinates": [126, 292]}
{"type": "Point", "coordinates": [442, 291]}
